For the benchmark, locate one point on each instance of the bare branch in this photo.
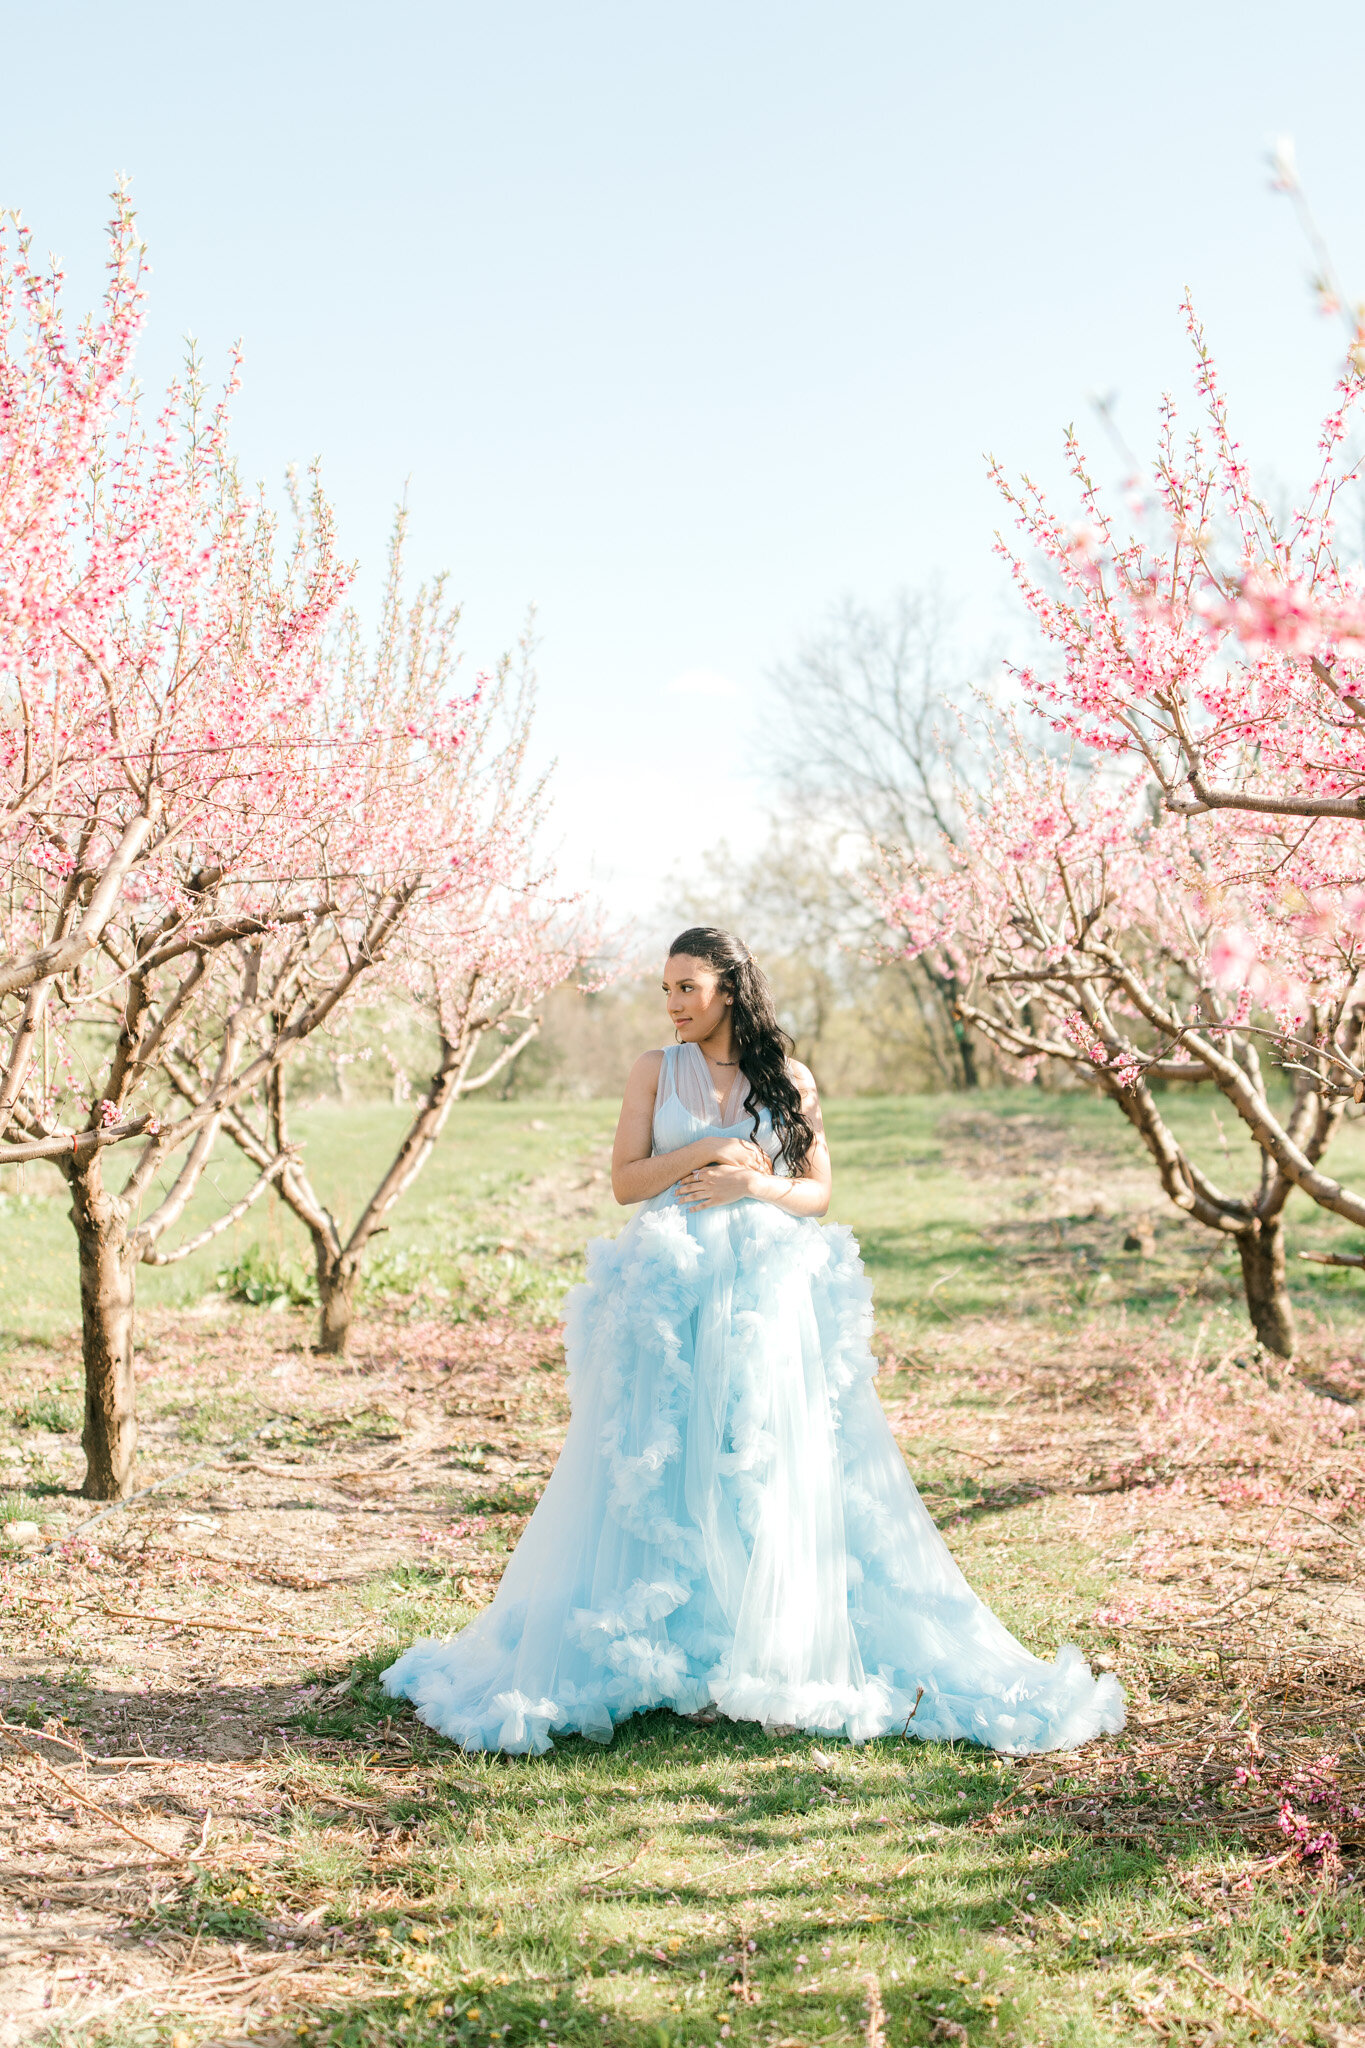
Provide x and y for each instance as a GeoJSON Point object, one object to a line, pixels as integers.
{"type": "Point", "coordinates": [220, 1223]}
{"type": "Point", "coordinates": [69, 952]}
{"type": "Point", "coordinates": [77, 1145]}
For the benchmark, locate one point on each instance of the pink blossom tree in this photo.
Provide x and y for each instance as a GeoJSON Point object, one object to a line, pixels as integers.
{"type": "Point", "coordinates": [1220, 647]}
{"type": "Point", "coordinates": [204, 841]}
{"type": "Point", "coordinates": [482, 936]}
{"type": "Point", "coordinates": [1196, 631]}
{"type": "Point", "coordinates": [1090, 934]}
{"type": "Point", "coordinates": [479, 988]}
{"type": "Point", "coordinates": [71, 827]}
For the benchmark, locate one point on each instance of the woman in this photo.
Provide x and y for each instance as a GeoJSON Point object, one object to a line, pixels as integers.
{"type": "Point", "coordinates": [730, 1526]}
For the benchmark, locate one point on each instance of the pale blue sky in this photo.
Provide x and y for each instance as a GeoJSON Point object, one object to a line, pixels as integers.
{"type": "Point", "coordinates": [686, 321]}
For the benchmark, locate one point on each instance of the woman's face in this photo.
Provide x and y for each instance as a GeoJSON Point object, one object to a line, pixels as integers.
{"type": "Point", "coordinates": [697, 1006]}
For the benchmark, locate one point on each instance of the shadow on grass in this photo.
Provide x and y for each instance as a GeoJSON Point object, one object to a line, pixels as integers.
{"type": "Point", "coordinates": [902, 1861]}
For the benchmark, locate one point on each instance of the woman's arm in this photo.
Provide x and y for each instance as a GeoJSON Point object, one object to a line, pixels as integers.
{"type": "Point", "coordinates": [635, 1175]}
{"type": "Point", "coordinates": [711, 1186]}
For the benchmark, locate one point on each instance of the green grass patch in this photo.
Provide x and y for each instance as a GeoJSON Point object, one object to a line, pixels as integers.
{"type": "Point", "coordinates": [694, 1884]}
{"type": "Point", "coordinates": [20, 1506]}
{"type": "Point", "coordinates": [1012, 1202]}
{"type": "Point", "coordinates": [51, 1410]}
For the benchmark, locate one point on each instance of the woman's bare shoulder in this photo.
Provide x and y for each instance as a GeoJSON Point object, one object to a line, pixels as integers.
{"type": "Point", "coordinates": [802, 1076]}
{"type": "Point", "coordinates": [647, 1066]}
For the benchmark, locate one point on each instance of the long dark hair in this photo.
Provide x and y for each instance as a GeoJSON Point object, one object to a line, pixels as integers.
{"type": "Point", "coordinates": [760, 1042]}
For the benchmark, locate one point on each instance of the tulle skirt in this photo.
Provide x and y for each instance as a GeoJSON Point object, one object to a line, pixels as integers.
{"type": "Point", "coordinates": [730, 1524]}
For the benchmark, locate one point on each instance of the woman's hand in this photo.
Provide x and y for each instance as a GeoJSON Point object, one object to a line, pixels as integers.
{"type": "Point", "coordinates": [741, 1152]}
{"type": "Point", "coordinates": [743, 1172]}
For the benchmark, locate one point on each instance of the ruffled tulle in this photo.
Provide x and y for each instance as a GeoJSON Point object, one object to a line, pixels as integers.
{"type": "Point", "coordinates": [730, 1523]}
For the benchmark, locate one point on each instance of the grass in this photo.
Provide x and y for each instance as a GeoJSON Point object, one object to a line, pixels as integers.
{"type": "Point", "coordinates": [51, 1410]}
{"type": "Point", "coordinates": [1019, 1203]}
{"type": "Point", "coordinates": [1110, 1459]}
{"type": "Point", "coordinates": [458, 1241]}
{"type": "Point", "coordinates": [693, 1881]}
{"type": "Point", "coordinates": [695, 1884]}
{"type": "Point", "coordinates": [1012, 1201]}
{"type": "Point", "coordinates": [19, 1507]}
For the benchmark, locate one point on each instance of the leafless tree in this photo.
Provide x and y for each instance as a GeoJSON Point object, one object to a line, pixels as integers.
{"type": "Point", "coordinates": [870, 741]}
{"type": "Point", "coordinates": [867, 751]}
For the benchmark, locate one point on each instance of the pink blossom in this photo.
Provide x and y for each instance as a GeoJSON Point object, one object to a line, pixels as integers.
{"type": "Point", "coordinates": [1221, 648]}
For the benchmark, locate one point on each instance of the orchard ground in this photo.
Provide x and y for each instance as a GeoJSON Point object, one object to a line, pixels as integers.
{"type": "Point", "coordinates": [222, 1830]}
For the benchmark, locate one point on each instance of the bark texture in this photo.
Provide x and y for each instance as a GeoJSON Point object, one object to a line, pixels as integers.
{"type": "Point", "coordinates": [1267, 1296]}
{"type": "Point", "coordinates": [336, 1295]}
{"type": "Point", "coordinates": [107, 1267]}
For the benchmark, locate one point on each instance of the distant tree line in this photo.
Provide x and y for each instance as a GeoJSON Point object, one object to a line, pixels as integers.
{"type": "Point", "coordinates": [872, 719]}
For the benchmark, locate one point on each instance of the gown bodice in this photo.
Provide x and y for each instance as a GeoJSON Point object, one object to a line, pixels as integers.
{"type": "Point", "coordinates": [686, 1106]}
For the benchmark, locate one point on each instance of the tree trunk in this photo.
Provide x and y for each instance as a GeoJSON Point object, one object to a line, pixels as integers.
{"type": "Point", "coordinates": [966, 1053]}
{"type": "Point", "coordinates": [1263, 1277]}
{"type": "Point", "coordinates": [107, 1281]}
{"type": "Point", "coordinates": [948, 990]}
{"type": "Point", "coordinates": [336, 1292]}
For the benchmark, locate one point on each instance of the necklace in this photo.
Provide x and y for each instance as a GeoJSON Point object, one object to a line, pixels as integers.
{"type": "Point", "coordinates": [721, 1063]}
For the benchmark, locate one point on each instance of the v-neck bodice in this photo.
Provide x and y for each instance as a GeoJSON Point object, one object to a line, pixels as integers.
{"type": "Point", "coordinates": [686, 1102]}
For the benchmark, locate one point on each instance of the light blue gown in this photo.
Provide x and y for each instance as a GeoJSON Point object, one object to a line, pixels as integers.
{"type": "Point", "coordinates": [730, 1523]}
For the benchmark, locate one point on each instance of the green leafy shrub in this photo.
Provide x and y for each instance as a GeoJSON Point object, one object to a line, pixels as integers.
{"type": "Point", "coordinates": [467, 1278]}
{"type": "Point", "coordinates": [47, 1411]}
{"type": "Point", "coordinates": [264, 1281]}
{"type": "Point", "coordinates": [391, 1273]}
{"type": "Point", "coordinates": [19, 1507]}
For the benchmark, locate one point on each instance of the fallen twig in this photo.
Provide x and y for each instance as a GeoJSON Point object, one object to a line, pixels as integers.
{"type": "Point", "coordinates": [1244, 2004]}
{"type": "Point", "coordinates": [245, 1628]}
{"type": "Point", "coordinates": [159, 1763]}
{"type": "Point", "coordinates": [1149, 2015]}
{"type": "Point", "coordinates": [1327, 1523]}
{"type": "Point", "coordinates": [170, 1855]}
{"type": "Point", "coordinates": [617, 1869]}
{"type": "Point", "coordinates": [876, 2014]}
{"type": "Point", "coordinates": [370, 1806]}
{"type": "Point", "coordinates": [955, 1450]}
